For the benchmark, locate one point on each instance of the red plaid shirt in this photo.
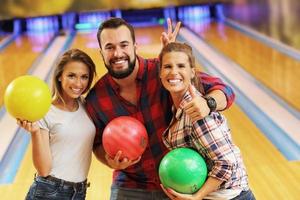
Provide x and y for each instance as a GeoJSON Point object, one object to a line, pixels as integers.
{"type": "Point", "coordinates": [153, 109]}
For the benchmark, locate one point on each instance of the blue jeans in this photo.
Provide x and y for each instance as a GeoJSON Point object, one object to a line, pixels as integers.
{"type": "Point", "coordinates": [50, 188]}
{"type": "Point", "coordinates": [245, 195]}
{"type": "Point", "coordinates": [118, 193]}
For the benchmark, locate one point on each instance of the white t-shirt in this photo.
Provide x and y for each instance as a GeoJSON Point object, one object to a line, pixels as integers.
{"type": "Point", "coordinates": [224, 194]}
{"type": "Point", "coordinates": [71, 141]}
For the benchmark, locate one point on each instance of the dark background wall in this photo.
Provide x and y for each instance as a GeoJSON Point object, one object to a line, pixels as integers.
{"type": "Point", "coordinates": [274, 18]}
{"type": "Point", "coordinates": [25, 8]}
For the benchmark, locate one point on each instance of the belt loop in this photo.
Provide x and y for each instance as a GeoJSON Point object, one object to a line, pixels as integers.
{"type": "Point", "coordinates": [81, 186]}
{"type": "Point", "coordinates": [61, 183]}
{"type": "Point", "coordinates": [75, 188]}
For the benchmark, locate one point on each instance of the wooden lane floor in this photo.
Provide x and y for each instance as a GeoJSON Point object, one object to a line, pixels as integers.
{"type": "Point", "coordinates": [271, 176]}
{"type": "Point", "coordinates": [275, 70]}
{"type": "Point", "coordinates": [17, 58]}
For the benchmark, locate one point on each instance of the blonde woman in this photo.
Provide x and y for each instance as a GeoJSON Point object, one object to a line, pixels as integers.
{"type": "Point", "coordinates": [62, 141]}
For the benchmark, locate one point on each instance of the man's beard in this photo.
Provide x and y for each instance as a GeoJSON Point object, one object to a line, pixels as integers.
{"type": "Point", "coordinates": [121, 74]}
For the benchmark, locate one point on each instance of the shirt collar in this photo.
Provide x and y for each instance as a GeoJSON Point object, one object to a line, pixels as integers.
{"type": "Point", "coordinates": [141, 71]}
{"type": "Point", "coordinates": [185, 99]}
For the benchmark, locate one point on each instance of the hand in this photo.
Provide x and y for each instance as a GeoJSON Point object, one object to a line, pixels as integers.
{"type": "Point", "coordinates": [171, 35]}
{"type": "Point", "coordinates": [197, 108]}
{"type": "Point", "coordinates": [116, 163]}
{"type": "Point", "coordinates": [177, 196]}
{"type": "Point", "coordinates": [31, 127]}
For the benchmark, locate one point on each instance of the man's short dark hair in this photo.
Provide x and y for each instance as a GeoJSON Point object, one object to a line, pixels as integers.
{"type": "Point", "coordinates": [114, 23]}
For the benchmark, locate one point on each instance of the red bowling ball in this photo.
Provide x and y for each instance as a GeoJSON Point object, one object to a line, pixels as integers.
{"type": "Point", "coordinates": [125, 134]}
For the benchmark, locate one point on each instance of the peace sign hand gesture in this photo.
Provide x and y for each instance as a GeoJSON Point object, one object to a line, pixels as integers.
{"type": "Point", "coordinates": [171, 35]}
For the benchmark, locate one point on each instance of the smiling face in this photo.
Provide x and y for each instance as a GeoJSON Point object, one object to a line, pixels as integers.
{"type": "Point", "coordinates": [118, 51]}
{"type": "Point", "coordinates": [74, 79]}
{"type": "Point", "coordinates": [176, 72]}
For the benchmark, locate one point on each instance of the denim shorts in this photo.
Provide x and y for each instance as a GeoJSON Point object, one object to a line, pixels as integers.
{"type": "Point", "coordinates": [119, 193]}
{"type": "Point", "coordinates": [245, 195]}
{"type": "Point", "coordinates": [51, 188]}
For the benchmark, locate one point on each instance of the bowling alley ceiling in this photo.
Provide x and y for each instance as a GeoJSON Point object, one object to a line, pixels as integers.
{"type": "Point", "coordinates": [26, 8]}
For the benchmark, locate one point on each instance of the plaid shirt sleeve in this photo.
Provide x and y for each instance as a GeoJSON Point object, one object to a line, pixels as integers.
{"type": "Point", "coordinates": [213, 83]}
{"type": "Point", "coordinates": [214, 136]}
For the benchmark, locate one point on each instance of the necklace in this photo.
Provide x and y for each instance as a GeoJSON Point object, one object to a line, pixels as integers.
{"type": "Point", "coordinates": [70, 107]}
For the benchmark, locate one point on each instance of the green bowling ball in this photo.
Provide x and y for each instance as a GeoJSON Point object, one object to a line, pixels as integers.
{"type": "Point", "coordinates": [183, 170]}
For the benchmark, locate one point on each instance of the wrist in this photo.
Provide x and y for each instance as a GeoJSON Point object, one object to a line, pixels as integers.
{"type": "Point", "coordinates": [199, 195]}
{"type": "Point", "coordinates": [35, 133]}
{"type": "Point", "coordinates": [211, 103]}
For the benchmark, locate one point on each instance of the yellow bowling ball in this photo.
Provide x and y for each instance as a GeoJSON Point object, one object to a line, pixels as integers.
{"type": "Point", "coordinates": [27, 98]}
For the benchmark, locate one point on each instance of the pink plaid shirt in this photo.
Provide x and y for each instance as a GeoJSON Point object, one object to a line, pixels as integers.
{"type": "Point", "coordinates": [212, 139]}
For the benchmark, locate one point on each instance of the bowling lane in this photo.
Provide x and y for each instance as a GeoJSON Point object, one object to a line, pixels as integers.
{"type": "Point", "coordinates": [271, 176]}
{"type": "Point", "coordinates": [17, 58]}
{"type": "Point", "coordinates": [275, 70]}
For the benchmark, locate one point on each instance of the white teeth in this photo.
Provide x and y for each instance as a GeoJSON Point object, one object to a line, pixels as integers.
{"type": "Point", "coordinates": [76, 90]}
{"type": "Point", "coordinates": [119, 61]}
{"type": "Point", "coordinates": [174, 81]}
